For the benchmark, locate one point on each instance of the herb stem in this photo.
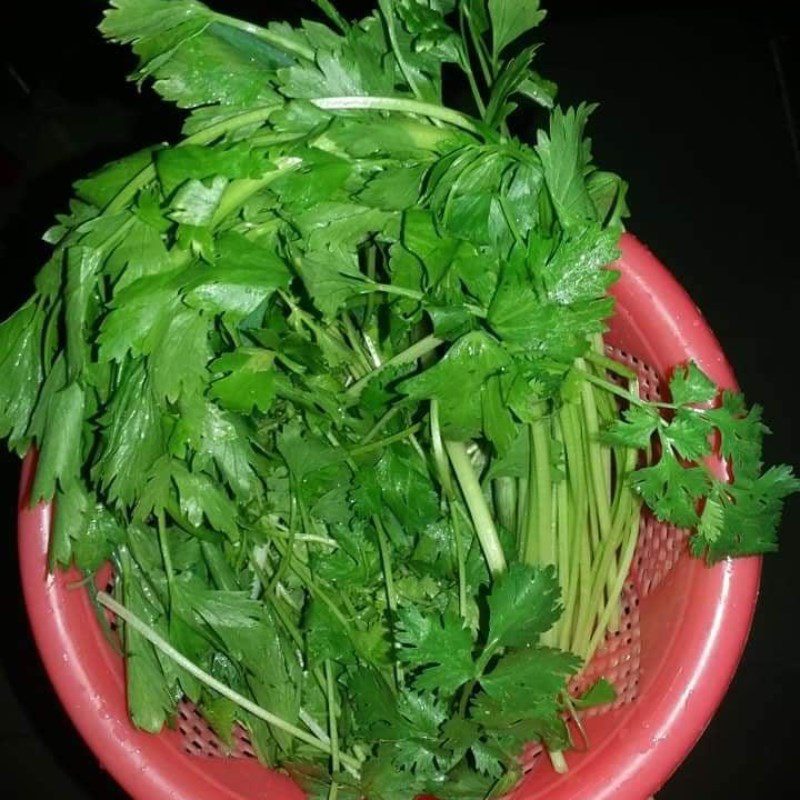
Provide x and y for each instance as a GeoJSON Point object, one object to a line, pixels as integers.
{"type": "Point", "coordinates": [479, 510]}
{"type": "Point", "coordinates": [558, 761]}
{"type": "Point", "coordinates": [460, 561]}
{"type": "Point", "coordinates": [400, 291]}
{"type": "Point", "coordinates": [536, 545]}
{"type": "Point", "coordinates": [403, 106]}
{"type": "Point", "coordinates": [599, 479]}
{"type": "Point", "coordinates": [333, 726]}
{"type": "Point", "coordinates": [439, 456]}
{"type": "Point", "coordinates": [361, 449]}
{"type": "Point", "coordinates": [391, 594]}
{"type": "Point", "coordinates": [248, 705]}
{"type": "Point", "coordinates": [480, 48]}
{"type": "Point", "coordinates": [289, 45]}
{"type": "Point", "coordinates": [302, 572]}
{"type": "Point", "coordinates": [629, 548]}
{"type": "Point", "coordinates": [505, 501]}
{"type": "Point", "coordinates": [165, 553]}
{"type": "Point", "coordinates": [562, 524]}
{"type": "Point", "coordinates": [388, 18]}
{"type": "Point", "coordinates": [467, 67]}
{"type": "Point", "coordinates": [410, 354]}
{"type": "Point", "coordinates": [381, 423]}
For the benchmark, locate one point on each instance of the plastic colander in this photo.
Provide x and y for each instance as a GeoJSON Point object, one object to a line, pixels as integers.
{"type": "Point", "coordinates": [683, 629]}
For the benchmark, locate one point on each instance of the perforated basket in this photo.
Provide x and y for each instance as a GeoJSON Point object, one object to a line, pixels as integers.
{"type": "Point", "coordinates": [681, 637]}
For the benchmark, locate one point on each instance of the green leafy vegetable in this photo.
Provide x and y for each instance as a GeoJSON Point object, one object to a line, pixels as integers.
{"type": "Point", "coordinates": [324, 381]}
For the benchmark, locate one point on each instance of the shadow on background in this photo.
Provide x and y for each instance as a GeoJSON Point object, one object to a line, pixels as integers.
{"type": "Point", "coordinates": [697, 107]}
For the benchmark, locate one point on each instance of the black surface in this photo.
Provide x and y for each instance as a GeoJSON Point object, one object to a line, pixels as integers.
{"type": "Point", "coordinates": [696, 112]}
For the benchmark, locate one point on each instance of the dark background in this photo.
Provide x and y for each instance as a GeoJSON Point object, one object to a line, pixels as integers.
{"type": "Point", "coordinates": [699, 111]}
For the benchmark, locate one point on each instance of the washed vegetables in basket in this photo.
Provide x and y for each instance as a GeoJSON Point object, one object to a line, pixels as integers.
{"type": "Point", "coordinates": [325, 382]}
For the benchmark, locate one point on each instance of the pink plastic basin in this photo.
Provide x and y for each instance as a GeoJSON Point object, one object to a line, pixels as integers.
{"type": "Point", "coordinates": [693, 627]}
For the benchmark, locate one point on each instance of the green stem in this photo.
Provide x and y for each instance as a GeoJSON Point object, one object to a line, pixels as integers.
{"type": "Point", "coordinates": [333, 727]}
{"type": "Point", "coordinates": [523, 501]}
{"type": "Point", "coordinates": [538, 544]}
{"type": "Point", "coordinates": [610, 387]}
{"type": "Point", "coordinates": [563, 513]}
{"type": "Point", "coordinates": [165, 553]}
{"type": "Point", "coordinates": [355, 342]}
{"type": "Point", "coordinates": [388, 18]}
{"type": "Point", "coordinates": [391, 594]}
{"type": "Point", "coordinates": [467, 67]}
{"type": "Point", "coordinates": [388, 288]}
{"type": "Point", "coordinates": [578, 515]}
{"type": "Point", "coordinates": [238, 192]}
{"type": "Point", "coordinates": [248, 705]}
{"type": "Point", "coordinates": [410, 354]}
{"type": "Point", "coordinates": [480, 49]}
{"type": "Point", "coordinates": [442, 466]}
{"type": "Point", "coordinates": [505, 501]}
{"type": "Point", "coordinates": [283, 564]}
{"type": "Point", "coordinates": [278, 606]}
{"type": "Point", "coordinates": [311, 538]}
{"type": "Point", "coordinates": [359, 450]}
{"type": "Point", "coordinates": [629, 548]}
{"type": "Point", "coordinates": [381, 423]}
{"type": "Point", "coordinates": [460, 562]}
{"type": "Point", "coordinates": [302, 572]}
{"type": "Point", "coordinates": [372, 258]}
{"type": "Point", "coordinates": [289, 45]}
{"type": "Point", "coordinates": [479, 510]}
{"type": "Point", "coordinates": [595, 459]}
{"type": "Point", "coordinates": [596, 357]}
{"type": "Point", "coordinates": [403, 106]}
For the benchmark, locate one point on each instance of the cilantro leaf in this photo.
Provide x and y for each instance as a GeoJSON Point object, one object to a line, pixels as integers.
{"type": "Point", "coordinates": [441, 647]}
{"type": "Point", "coordinates": [405, 488]}
{"type": "Point", "coordinates": [742, 434]}
{"type": "Point", "coordinates": [672, 490]}
{"type": "Point", "coordinates": [689, 433]}
{"type": "Point", "coordinates": [600, 693]}
{"type": "Point", "coordinates": [524, 685]}
{"type": "Point", "coordinates": [151, 701]}
{"type": "Point", "coordinates": [523, 604]}
{"type": "Point", "coordinates": [228, 365]}
{"type": "Point", "coordinates": [635, 428]}
{"type": "Point", "coordinates": [201, 498]}
{"type": "Point", "coordinates": [331, 277]}
{"type": "Point", "coordinates": [690, 386]}
{"type": "Point", "coordinates": [750, 515]}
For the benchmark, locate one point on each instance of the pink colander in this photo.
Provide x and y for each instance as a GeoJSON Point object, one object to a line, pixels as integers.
{"type": "Point", "coordinates": [682, 634]}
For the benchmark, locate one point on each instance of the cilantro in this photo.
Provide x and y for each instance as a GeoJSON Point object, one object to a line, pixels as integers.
{"type": "Point", "coordinates": [523, 604]}
{"type": "Point", "coordinates": [443, 648]}
{"type": "Point", "coordinates": [733, 518]}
